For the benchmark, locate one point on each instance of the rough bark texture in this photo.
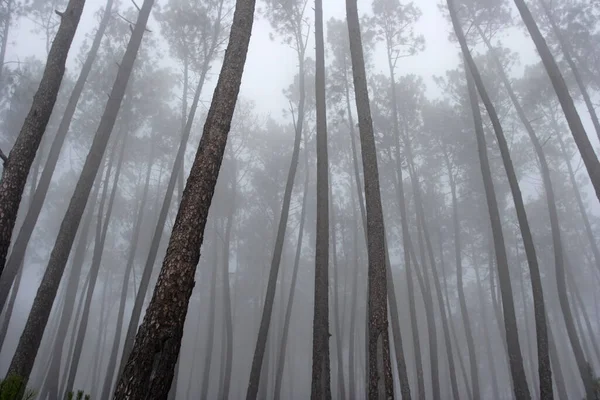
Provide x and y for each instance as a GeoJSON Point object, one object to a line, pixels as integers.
{"type": "Point", "coordinates": [149, 370]}
{"type": "Point", "coordinates": [545, 371]}
{"type": "Point", "coordinates": [566, 101]}
{"type": "Point", "coordinates": [32, 334]}
{"type": "Point", "coordinates": [20, 158]}
{"type": "Point", "coordinates": [164, 210]}
{"type": "Point", "coordinates": [263, 331]}
{"type": "Point", "coordinates": [321, 381]}
{"type": "Point", "coordinates": [19, 248]}
{"type": "Point", "coordinates": [380, 369]}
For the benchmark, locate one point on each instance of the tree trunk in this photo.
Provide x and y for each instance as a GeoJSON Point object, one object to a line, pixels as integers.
{"type": "Point", "coordinates": [101, 232]}
{"type": "Point", "coordinates": [557, 367]}
{"type": "Point", "coordinates": [20, 158]}
{"type": "Point", "coordinates": [380, 368]}
{"type": "Point", "coordinates": [521, 390]}
{"type": "Point", "coordinates": [566, 101]}
{"type": "Point", "coordinates": [149, 370]}
{"type": "Point", "coordinates": [112, 361]}
{"type": "Point", "coordinates": [52, 379]}
{"type": "Point", "coordinates": [566, 49]}
{"type": "Point", "coordinates": [32, 334]}
{"type": "Point", "coordinates": [353, 309]}
{"type": "Point", "coordinates": [476, 392]}
{"type": "Point", "coordinates": [4, 45]}
{"type": "Point", "coordinates": [164, 210]}
{"type": "Point", "coordinates": [228, 357]}
{"type": "Point", "coordinates": [288, 311]}
{"type": "Point", "coordinates": [210, 335]}
{"type": "Point", "coordinates": [19, 248]}
{"type": "Point", "coordinates": [261, 342]}
{"type": "Point", "coordinates": [321, 381]}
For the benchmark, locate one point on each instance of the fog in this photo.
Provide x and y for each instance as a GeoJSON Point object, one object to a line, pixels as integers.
{"type": "Point", "coordinates": [164, 236]}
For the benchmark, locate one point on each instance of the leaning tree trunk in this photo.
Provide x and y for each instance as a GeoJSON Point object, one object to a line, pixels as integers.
{"type": "Point", "coordinates": [101, 232]}
{"type": "Point", "coordinates": [545, 372]}
{"type": "Point", "coordinates": [32, 334]}
{"type": "Point", "coordinates": [566, 101]}
{"type": "Point", "coordinates": [263, 331]}
{"type": "Point", "coordinates": [17, 253]}
{"type": "Point", "coordinates": [380, 381]}
{"type": "Point", "coordinates": [288, 310]}
{"type": "Point", "coordinates": [112, 361]}
{"type": "Point", "coordinates": [567, 51]}
{"type": "Point", "coordinates": [149, 370]}
{"type": "Point", "coordinates": [164, 210]}
{"type": "Point", "coordinates": [321, 381]}
{"type": "Point", "coordinates": [51, 384]}
{"type": "Point", "coordinates": [520, 387]}
{"type": "Point", "coordinates": [18, 163]}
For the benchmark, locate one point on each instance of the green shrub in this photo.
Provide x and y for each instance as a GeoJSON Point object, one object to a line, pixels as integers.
{"type": "Point", "coordinates": [13, 388]}
{"type": "Point", "coordinates": [80, 396]}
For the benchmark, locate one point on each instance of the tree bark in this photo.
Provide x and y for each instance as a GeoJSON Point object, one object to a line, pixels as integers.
{"type": "Point", "coordinates": [566, 101]}
{"type": "Point", "coordinates": [20, 158]}
{"type": "Point", "coordinates": [149, 370]}
{"type": "Point", "coordinates": [321, 381]}
{"type": "Point", "coordinates": [19, 248]}
{"type": "Point", "coordinates": [380, 369]}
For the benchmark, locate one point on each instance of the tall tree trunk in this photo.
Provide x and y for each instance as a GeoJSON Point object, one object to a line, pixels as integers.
{"type": "Point", "coordinates": [406, 242]}
{"type": "Point", "coordinates": [52, 379]}
{"type": "Point", "coordinates": [577, 194]}
{"type": "Point", "coordinates": [486, 332]}
{"type": "Point", "coordinates": [228, 357]}
{"type": "Point", "coordinates": [557, 367]}
{"type": "Point", "coordinates": [353, 309]}
{"type": "Point", "coordinates": [521, 390]}
{"type": "Point", "coordinates": [5, 29]}
{"type": "Point", "coordinates": [164, 210]}
{"type": "Point", "coordinates": [19, 248]}
{"type": "Point", "coordinates": [321, 381]}
{"type": "Point", "coordinates": [112, 361]}
{"type": "Point", "coordinates": [149, 370]}
{"type": "Point", "coordinates": [261, 342]}
{"type": "Point", "coordinates": [288, 310]}
{"type": "Point", "coordinates": [32, 334]}
{"type": "Point", "coordinates": [100, 340]}
{"type": "Point", "coordinates": [567, 51]}
{"type": "Point", "coordinates": [566, 101]}
{"type": "Point", "coordinates": [476, 391]}
{"type": "Point", "coordinates": [19, 161]}
{"type": "Point", "coordinates": [380, 368]}
{"type": "Point", "coordinates": [101, 232]}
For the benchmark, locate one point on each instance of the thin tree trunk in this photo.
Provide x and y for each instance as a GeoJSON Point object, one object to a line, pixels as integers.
{"type": "Point", "coordinates": [19, 161]}
{"type": "Point", "coordinates": [520, 386]}
{"type": "Point", "coordinates": [101, 232]}
{"type": "Point", "coordinates": [352, 380]}
{"type": "Point", "coordinates": [261, 342]}
{"type": "Point", "coordinates": [112, 361]}
{"type": "Point", "coordinates": [19, 248]}
{"type": "Point", "coordinates": [380, 369]}
{"type": "Point", "coordinates": [566, 49]}
{"type": "Point", "coordinates": [32, 334]}
{"type": "Point", "coordinates": [557, 367]}
{"type": "Point", "coordinates": [577, 194]}
{"type": "Point", "coordinates": [149, 370]}
{"type": "Point", "coordinates": [5, 30]}
{"type": "Point", "coordinates": [321, 380]}
{"type": "Point", "coordinates": [566, 101]}
{"type": "Point", "coordinates": [210, 335]}
{"type": "Point", "coordinates": [476, 391]}
{"type": "Point", "coordinates": [288, 311]}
